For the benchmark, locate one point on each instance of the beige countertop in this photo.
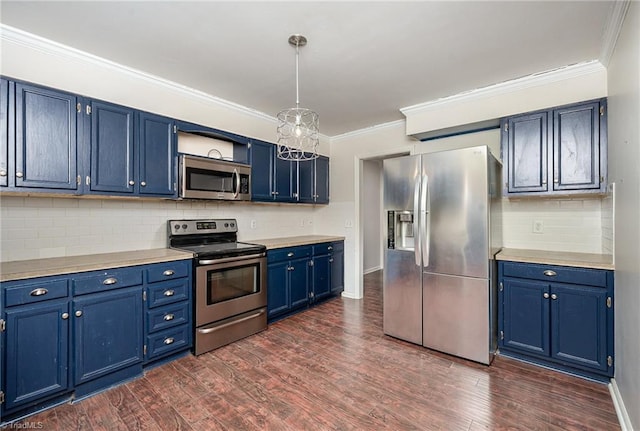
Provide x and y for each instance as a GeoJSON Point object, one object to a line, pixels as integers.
{"type": "Point", "coordinates": [292, 241]}
{"type": "Point", "coordinates": [23, 269]}
{"type": "Point", "coordinates": [581, 260]}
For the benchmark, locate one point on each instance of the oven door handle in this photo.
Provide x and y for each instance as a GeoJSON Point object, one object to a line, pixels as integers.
{"type": "Point", "coordinates": [225, 325]}
{"type": "Point", "coordinates": [229, 259]}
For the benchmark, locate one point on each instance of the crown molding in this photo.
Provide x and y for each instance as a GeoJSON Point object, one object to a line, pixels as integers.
{"type": "Point", "coordinates": [535, 80]}
{"type": "Point", "coordinates": [32, 41]}
{"type": "Point", "coordinates": [612, 29]}
{"type": "Point", "coordinates": [370, 129]}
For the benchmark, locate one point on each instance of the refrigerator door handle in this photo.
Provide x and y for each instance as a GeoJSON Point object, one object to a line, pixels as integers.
{"type": "Point", "coordinates": [417, 250]}
{"type": "Point", "coordinates": [424, 221]}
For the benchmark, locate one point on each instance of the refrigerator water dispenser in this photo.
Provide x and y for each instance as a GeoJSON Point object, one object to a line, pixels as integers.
{"type": "Point", "coordinates": [400, 230]}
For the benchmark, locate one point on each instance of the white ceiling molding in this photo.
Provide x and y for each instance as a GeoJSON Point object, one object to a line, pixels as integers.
{"type": "Point", "coordinates": [535, 80]}
{"type": "Point", "coordinates": [16, 36]}
{"type": "Point", "coordinates": [612, 29]}
{"type": "Point", "coordinates": [366, 130]}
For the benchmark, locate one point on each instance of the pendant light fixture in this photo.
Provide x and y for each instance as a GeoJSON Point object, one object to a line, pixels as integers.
{"type": "Point", "coordinates": [297, 127]}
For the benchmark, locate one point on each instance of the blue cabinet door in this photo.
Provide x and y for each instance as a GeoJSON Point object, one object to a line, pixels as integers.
{"type": "Point", "coordinates": [526, 138]}
{"type": "Point", "coordinates": [277, 288]}
{"type": "Point", "coordinates": [112, 148]}
{"type": "Point", "coordinates": [576, 147]}
{"type": "Point", "coordinates": [283, 179]}
{"type": "Point", "coordinates": [46, 138]}
{"type": "Point", "coordinates": [108, 333]}
{"type": "Point", "coordinates": [156, 149]}
{"type": "Point", "coordinates": [306, 177]}
{"type": "Point", "coordinates": [37, 349]}
{"type": "Point", "coordinates": [262, 159]}
{"type": "Point", "coordinates": [299, 281]}
{"type": "Point", "coordinates": [337, 268]}
{"type": "Point", "coordinates": [526, 316]}
{"type": "Point", "coordinates": [579, 325]}
{"type": "Point", "coordinates": [321, 195]}
{"type": "Point", "coordinates": [321, 277]}
{"type": "Point", "coordinates": [4, 132]}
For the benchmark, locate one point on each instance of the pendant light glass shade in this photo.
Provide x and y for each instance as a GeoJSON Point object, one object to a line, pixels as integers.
{"type": "Point", "coordinates": [298, 127]}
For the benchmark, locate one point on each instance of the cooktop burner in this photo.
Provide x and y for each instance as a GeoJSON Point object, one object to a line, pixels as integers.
{"type": "Point", "coordinates": [209, 238]}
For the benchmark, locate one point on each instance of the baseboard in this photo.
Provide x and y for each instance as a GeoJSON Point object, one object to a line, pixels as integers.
{"type": "Point", "coordinates": [370, 270]}
{"type": "Point", "coordinates": [618, 403]}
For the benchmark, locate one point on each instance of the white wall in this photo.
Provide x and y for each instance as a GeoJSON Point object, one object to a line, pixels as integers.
{"type": "Point", "coordinates": [38, 227]}
{"type": "Point", "coordinates": [371, 215]}
{"type": "Point", "coordinates": [624, 160]}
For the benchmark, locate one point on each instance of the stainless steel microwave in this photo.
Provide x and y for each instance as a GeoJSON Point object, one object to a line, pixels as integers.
{"type": "Point", "coordinates": [206, 178]}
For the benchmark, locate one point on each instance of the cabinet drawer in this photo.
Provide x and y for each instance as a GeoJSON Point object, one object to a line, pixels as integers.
{"type": "Point", "coordinates": [35, 292]}
{"type": "Point", "coordinates": [168, 292]}
{"type": "Point", "coordinates": [554, 273]}
{"type": "Point", "coordinates": [324, 248]}
{"type": "Point", "coordinates": [107, 280]}
{"type": "Point", "coordinates": [168, 316]}
{"type": "Point", "coordinates": [167, 341]}
{"type": "Point", "coordinates": [288, 253]}
{"type": "Point", "coordinates": [168, 271]}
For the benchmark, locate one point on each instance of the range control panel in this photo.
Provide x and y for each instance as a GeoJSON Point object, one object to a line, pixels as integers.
{"type": "Point", "coordinates": [191, 227]}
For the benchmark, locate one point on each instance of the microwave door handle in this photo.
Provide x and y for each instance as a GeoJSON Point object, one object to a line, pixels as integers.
{"type": "Point", "coordinates": [237, 176]}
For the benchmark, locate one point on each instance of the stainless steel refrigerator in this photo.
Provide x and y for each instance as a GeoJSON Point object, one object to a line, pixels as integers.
{"type": "Point", "coordinates": [443, 231]}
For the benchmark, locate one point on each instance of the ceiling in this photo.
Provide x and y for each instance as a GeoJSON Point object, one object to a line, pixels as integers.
{"type": "Point", "coordinates": [364, 60]}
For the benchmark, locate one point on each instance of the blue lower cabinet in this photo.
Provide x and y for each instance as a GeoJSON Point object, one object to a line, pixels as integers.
{"type": "Point", "coordinates": [278, 290]}
{"type": "Point", "coordinates": [108, 332]}
{"type": "Point", "coordinates": [565, 325]}
{"type": "Point", "coordinates": [36, 346]}
{"type": "Point", "coordinates": [321, 277]}
{"type": "Point", "coordinates": [337, 267]}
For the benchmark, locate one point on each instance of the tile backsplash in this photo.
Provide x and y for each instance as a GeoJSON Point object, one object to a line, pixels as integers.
{"type": "Point", "coordinates": [40, 227]}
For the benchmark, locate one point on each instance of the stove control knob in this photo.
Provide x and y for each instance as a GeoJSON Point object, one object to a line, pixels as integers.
{"type": "Point", "coordinates": [233, 225]}
{"type": "Point", "coordinates": [176, 227]}
{"type": "Point", "coordinates": [226, 225]}
{"type": "Point", "coordinates": [184, 226]}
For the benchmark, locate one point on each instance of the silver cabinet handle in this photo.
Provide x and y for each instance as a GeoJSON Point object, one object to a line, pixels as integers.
{"type": "Point", "coordinates": [331, 260]}
{"type": "Point", "coordinates": [168, 273]}
{"type": "Point", "coordinates": [3, 173]}
{"type": "Point", "coordinates": [554, 296]}
{"type": "Point", "coordinates": [169, 292]}
{"type": "Point", "coordinates": [290, 254]}
{"type": "Point", "coordinates": [545, 295]}
{"type": "Point", "coordinates": [131, 182]}
{"type": "Point", "coordinates": [38, 292]}
{"type": "Point", "coordinates": [78, 313]}
{"type": "Point", "coordinates": [143, 183]}
{"type": "Point", "coordinates": [19, 174]}
{"type": "Point", "coordinates": [330, 248]}
{"type": "Point", "coordinates": [169, 340]}
{"type": "Point", "coordinates": [109, 281]}
{"type": "Point", "coordinates": [550, 273]}
{"type": "Point", "coordinates": [65, 316]}
{"type": "Point", "coordinates": [168, 317]}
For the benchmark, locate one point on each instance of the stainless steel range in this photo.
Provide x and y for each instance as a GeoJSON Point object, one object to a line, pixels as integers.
{"type": "Point", "coordinates": [230, 281]}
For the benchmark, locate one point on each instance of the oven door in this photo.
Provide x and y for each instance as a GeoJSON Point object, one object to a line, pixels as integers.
{"type": "Point", "coordinates": [230, 286]}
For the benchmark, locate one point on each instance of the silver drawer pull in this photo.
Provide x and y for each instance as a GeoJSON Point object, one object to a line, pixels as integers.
{"type": "Point", "coordinates": [329, 248]}
{"type": "Point", "coordinates": [550, 273]}
{"type": "Point", "coordinates": [290, 254]}
{"type": "Point", "coordinates": [170, 292]}
{"type": "Point", "coordinates": [169, 340]}
{"type": "Point", "coordinates": [39, 292]}
{"type": "Point", "coordinates": [168, 317]}
{"type": "Point", "coordinates": [65, 316]}
{"type": "Point", "coordinates": [109, 281]}
{"type": "Point", "coordinates": [554, 296]}
{"type": "Point", "coordinates": [545, 295]}
{"type": "Point", "coordinates": [78, 313]}
{"type": "Point", "coordinates": [331, 260]}
{"type": "Point", "coordinates": [3, 173]}
{"type": "Point", "coordinates": [168, 272]}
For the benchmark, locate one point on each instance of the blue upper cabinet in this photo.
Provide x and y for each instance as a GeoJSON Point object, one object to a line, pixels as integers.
{"type": "Point", "coordinates": [45, 138]}
{"type": "Point", "coordinates": [557, 151]}
{"type": "Point", "coordinates": [283, 179]}
{"type": "Point", "coordinates": [112, 148]}
{"type": "Point", "coordinates": [313, 180]}
{"type": "Point", "coordinates": [156, 149]}
{"type": "Point", "coordinates": [262, 155]}
{"type": "Point", "coordinates": [4, 132]}
{"type": "Point", "coordinates": [306, 176]}
{"type": "Point", "coordinates": [321, 194]}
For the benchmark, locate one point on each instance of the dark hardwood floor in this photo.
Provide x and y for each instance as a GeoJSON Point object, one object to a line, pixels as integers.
{"type": "Point", "coordinates": [331, 367]}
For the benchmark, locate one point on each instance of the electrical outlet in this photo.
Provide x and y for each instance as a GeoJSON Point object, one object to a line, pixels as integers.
{"type": "Point", "coordinates": [538, 226]}
{"type": "Point", "coordinates": [348, 223]}
{"type": "Point", "coordinates": [309, 222]}
{"type": "Point", "coordinates": [253, 224]}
